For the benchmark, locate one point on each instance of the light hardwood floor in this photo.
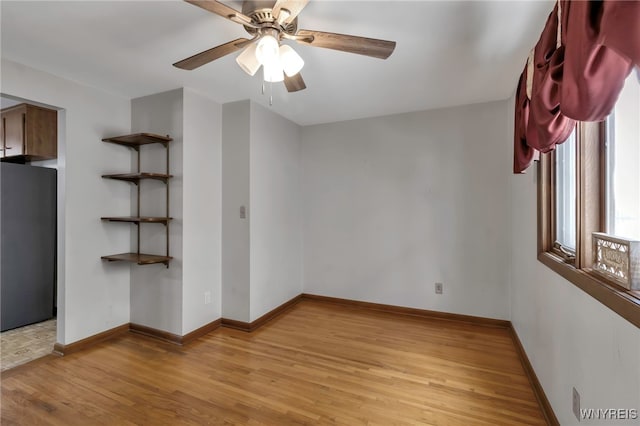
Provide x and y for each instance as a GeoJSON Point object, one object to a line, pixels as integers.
{"type": "Point", "coordinates": [318, 363]}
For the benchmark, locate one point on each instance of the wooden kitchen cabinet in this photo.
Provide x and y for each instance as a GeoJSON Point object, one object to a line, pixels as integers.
{"type": "Point", "coordinates": [29, 133]}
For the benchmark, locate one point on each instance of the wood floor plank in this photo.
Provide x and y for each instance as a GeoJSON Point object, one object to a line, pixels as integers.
{"type": "Point", "coordinates": [318, 363]}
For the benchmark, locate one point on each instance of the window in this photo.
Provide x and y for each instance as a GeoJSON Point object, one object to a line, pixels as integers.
{"type": "Point", "coordinates": [591, 184]}
{"type": "Point", "coordinates": [623, 163]}
{"type": "Point", "coordinates": [565, 197]}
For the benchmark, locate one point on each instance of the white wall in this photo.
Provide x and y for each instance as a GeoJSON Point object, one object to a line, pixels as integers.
{"type": "Point", "coordinates": [202, 212]}
{"type": "Point", "coordinates": [571, 339]}
{"type": "Point", "coordinates": [156, 292]}
{"type": "Point", "coordinates": [235, 193]}
{"type": "Point", "coordinates": [173, 299]}
{"type": "Point", "coordinates": [275, 222]}
{"type": "Point", "coordinates": [393, 204]}
{"type": "Point", "coordinates": [93, 296]}
{"type": "Point", "coordinates": [262, 253]}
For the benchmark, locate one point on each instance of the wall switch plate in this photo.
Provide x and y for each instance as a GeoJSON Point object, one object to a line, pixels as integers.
{"type": "Point", "coordinates": [576, 404]}
{"type": "Point", "coordinates": [207, 297]}
{"type": "Point", "coordinates": [438, 288]}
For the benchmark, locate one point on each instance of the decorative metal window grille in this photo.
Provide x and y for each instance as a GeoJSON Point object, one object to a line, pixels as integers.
{"type": "Point", "coordinates": [617, 259]}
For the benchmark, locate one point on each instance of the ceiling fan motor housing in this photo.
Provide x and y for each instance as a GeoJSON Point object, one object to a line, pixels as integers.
{"type": "Point", "coordinates": [260, 12]}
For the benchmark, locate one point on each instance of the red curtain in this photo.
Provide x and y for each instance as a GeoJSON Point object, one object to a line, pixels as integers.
{"type": "Point", "coordinates": [551, 125]}
{"type": "Point", "coordinates": [523, 154]}
{"type": "Point", "coordinates": [593, 74]}
{"type": "Point", "coordinates": [620, 28]}
{"type": "Point", "coordinates": [579, 80]}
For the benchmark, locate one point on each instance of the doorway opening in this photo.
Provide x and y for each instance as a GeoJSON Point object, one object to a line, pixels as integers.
{"type": "Point", "coordinates": [32, 228]}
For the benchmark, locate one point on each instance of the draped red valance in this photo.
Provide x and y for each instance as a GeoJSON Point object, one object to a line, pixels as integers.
{"type": "Point", "coordinates": [552, 126]}
{"type": "Point", "coordinates": [620, 28]}
{"type": "Point", "coordinates": [578, 72]}
{"type": "Point", "coordinates": [593, 74]}
{"type": "Point", "coordinates": [523, 154]}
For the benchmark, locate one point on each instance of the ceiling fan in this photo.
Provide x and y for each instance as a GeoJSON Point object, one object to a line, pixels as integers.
{"type": "Point", "coordinates": [269, 23]}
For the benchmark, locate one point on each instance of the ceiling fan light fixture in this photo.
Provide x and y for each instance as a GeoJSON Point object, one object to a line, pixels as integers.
{"type": "Point", "coordinates": [248, 60]}
{"type": "Point", "coordinates": [292, 63]}
{"type": "Point", "coordinates": [268, 26]}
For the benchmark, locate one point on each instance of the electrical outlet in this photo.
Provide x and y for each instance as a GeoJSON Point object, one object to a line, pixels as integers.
{"type": "Point", "coordinates": [207, 297]}
{"type": "Point", "coordinates": [576, 404]}
{"type": "Point", "coordinates": [438, 288]}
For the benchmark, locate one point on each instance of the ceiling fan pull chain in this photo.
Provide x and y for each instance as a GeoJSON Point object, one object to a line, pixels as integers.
{"type": "Point", "coordinates": [271, 93]}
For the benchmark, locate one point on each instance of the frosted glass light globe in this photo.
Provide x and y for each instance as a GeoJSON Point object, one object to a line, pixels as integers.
{"type": "Point", "coordinates": [292, 63]}
{"type": "Point", "coordinates": [273, 72]}
{"type": "Point", "coordinates": [248, 61]}
{"type": "Point", "coordinates": [267, 50]}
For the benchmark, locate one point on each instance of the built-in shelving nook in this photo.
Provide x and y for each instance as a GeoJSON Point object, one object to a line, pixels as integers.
{"type": "Point", "coordinates": [135, 142]}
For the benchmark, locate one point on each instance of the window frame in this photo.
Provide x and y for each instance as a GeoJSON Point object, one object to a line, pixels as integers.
{"type": "Point", "coordinates": [566, 253]}
{"type": "Point", "coordinates": [591, 167]}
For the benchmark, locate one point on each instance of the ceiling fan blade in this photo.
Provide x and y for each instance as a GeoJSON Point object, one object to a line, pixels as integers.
{"type": "Point", "coordinates": [294, 83]}
{"type": "Point", "coordinates": [347, 43]}
{"type": "Point", "coordinates": [222, 10]}
{"type": "Point", "coordinates": [292, 8]}
{"type": "Point", "coordinates": [212, 54]}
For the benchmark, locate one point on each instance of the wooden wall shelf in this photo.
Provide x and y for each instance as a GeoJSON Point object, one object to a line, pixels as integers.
{"type": "Point", "coordinates": [135, 141]}
{"type": "Point", "coordinates": [138, 219]}
{"type": "Point", "coordinates": [137, 177]}
{"type": "Point", "coordinates": [139, 258]}
{"type": "Point", "coordinates": [138, 139]}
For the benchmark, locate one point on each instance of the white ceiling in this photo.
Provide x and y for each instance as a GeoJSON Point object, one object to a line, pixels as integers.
{"type": "Point", "coordinates": [448, 53]}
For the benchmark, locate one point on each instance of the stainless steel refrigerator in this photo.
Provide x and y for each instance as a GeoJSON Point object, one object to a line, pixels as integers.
{"type": "Point", "coordinates": [28, 248]}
